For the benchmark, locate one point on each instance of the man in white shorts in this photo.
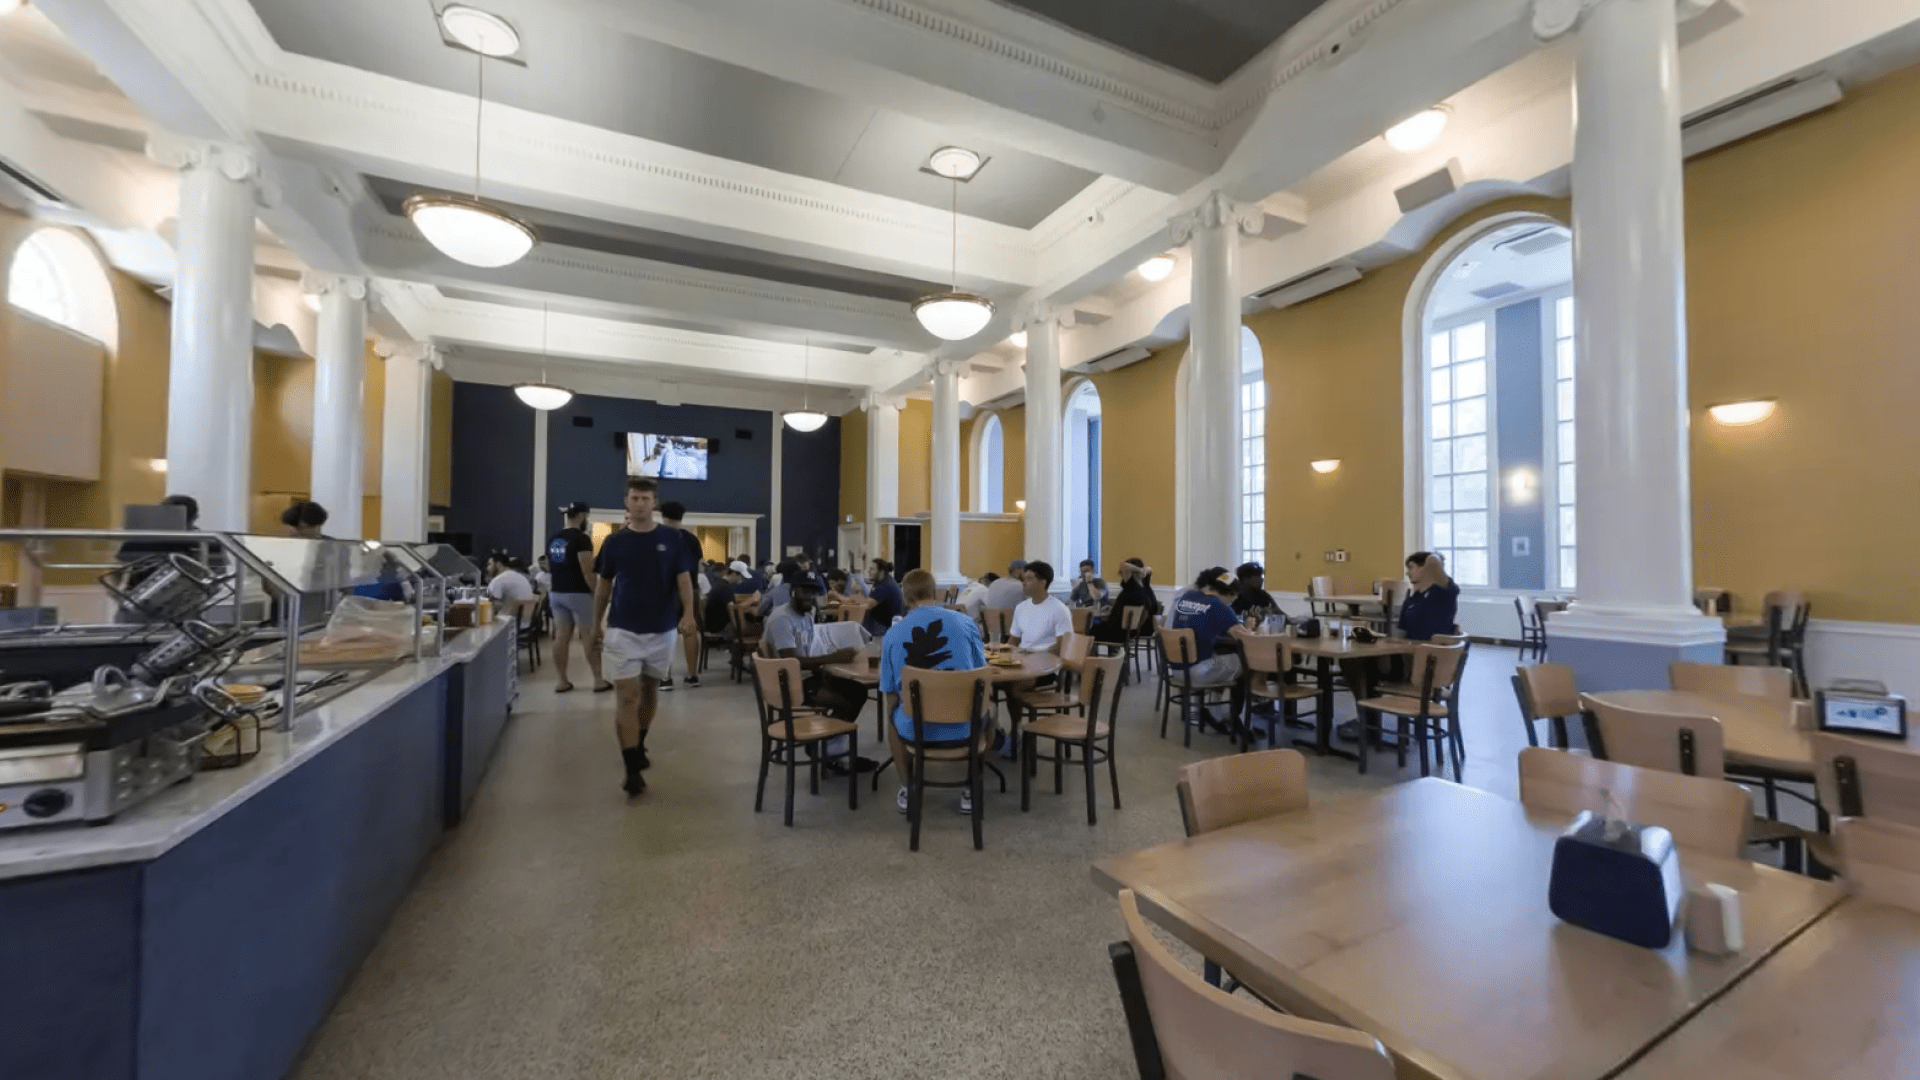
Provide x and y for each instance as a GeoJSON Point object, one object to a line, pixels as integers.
{"type": "Point", "coordinates": [645, 585]}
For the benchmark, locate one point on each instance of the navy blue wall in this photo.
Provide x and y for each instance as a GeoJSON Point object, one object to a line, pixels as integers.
{"type": "Point", "coordinates": [492, 468]}
{"type": "Point", "coordinates": [1520, 352]}
{"type": "Point", "coordinates": [810, 490]}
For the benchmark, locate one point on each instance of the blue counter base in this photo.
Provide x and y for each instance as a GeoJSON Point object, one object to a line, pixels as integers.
{"type": "Point", "coordinates": [1599, 666]}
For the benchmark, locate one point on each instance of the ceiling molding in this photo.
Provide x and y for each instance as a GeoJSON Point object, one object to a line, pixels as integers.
{"type": "Point", "coordinates": [606, 380]}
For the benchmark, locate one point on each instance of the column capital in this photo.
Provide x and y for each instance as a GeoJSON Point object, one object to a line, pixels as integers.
{"type": "Point", "coordinates": [874, 402]}
{"type": "Point", "coordinates": [1555, 18]}
{"type": "Point", "coordinates": [418, 352]}
{"type": "Point", "coordinates": [319, 284]}
{"type": "Point", "coordinates": [237, 163]}
{"type": "Point", "coordinates": [1217, 211]}
{"type": "Point", "coordinates": [945, 366]}
{"type": "Point", "coordinates": [1041, 314]}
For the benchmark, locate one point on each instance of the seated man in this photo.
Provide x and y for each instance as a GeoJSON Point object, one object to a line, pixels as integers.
{"type": "Point", "coordinates": [1253, 598]}
{"type": "Point", "coordinates": [508, 582]}
{"type": "Point", "coordinates": [1433, 603]}
{"type": "Point", "coordinates": [931, 637]}
{"type": "Point", "coordinates": [975, 594]}
{"type": "Point", "coordinates": [1005, 593]}
{"type": "Point", "coordinates": [777, 594]}
{"type": "Point", "coordinates": [1088, 589]}
{"type": "Point", "coordinates": [1205, 610]}
{"type": "Point", "coordinates": [1041, 620]}
{"type": "Point", "coordinates": [788, 634]}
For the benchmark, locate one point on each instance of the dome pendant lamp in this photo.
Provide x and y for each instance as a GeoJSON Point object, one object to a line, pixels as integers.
{"type": "Point", "coordinates": [954, 315]}
{"type": "Point", "coordinates": [805, 418]}
{"type": "Point", "coordinates": [464, 228]}
{"type": "Point", "coordinates": [542, 395]}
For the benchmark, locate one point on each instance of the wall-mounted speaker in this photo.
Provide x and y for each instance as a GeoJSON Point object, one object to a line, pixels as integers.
{"type": "Point", "coordinates": [743, 433]}
{"type": "Point", "coordinates": [620, 441]}
{"type": "Point", "coordinates": [583, 421]}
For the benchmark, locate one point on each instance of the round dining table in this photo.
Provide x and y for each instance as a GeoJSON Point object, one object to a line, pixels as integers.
{"type": "Point", "coordinates": [1758, 732]}
{"type": "Point", "coordinates": [1031, 666]}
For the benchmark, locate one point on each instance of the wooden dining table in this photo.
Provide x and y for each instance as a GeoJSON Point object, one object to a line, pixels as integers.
{"type": "Point", "coordinates": [1356, 667]}
{"type": "Point", "coordinates": [1418, 915]}
{"type": "Point", "coordinates": [1760, 735]}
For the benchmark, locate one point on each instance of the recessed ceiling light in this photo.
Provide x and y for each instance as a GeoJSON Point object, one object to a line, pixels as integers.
{"type": "Point", "coordinates": [1157, 268]}
{"type": "Point", "coordinates": [481, 31]}
{"type": "Point", "coordinates": [8, 7]}
{"type": "Point", "coordinates": [1019, 339]}
{"type": "Point", "coordinates": [1419, 131]}
{"type": "Point", "coordinates": [955, 162]}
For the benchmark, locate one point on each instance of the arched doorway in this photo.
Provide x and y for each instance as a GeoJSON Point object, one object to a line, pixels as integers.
{"type": "Point", "coordinates": [1080, 434]}
{"type": "Point", "coordinates": [988, 466]}
{"type": "Point", "coordinates": [1492, 367]}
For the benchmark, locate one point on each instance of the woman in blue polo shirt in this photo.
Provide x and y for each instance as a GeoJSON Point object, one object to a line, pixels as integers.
{"type": "Point", "coordinates": [1433, 605]}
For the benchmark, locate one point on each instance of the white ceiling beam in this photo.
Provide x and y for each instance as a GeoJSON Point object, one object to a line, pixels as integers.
{"type": "Point", "coordinates": [611, 380]}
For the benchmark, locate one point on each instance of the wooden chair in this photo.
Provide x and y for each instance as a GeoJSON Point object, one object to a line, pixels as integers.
{"type": "Point", "coordinates": [996, 623]}
{"type": "Point", "coordinates": [1139, 636]}
{"type": "Point", "coordinates": [944, 697]}
{"type": "Point", "coordinates": [1693, 745]}
{"type": "Point", "coordinates": [746, 634]}
{"type": "Point", "coordinates": [1224, 791]}
{"type": "Point", "coordinates": [1712, 601]}
{"type": "Point", "coordinates": [1547, 692]}
{"type": "Point", "coordinates": [1429, 714]}
{"type": "Point", "coordinates": [788, 724]}
{"type": "Point", "coordinates": [1269, 667]}
{"type": "Point", "coordinates": [1185, 1029]}
{"type": "Point", "coordinates": [526, 621]}
{"type": "Point", "coordinates": [1774, 683]}
{"type": "Point", "coordinates": [1316, 588]}
{"type": "Point", "coordinates": [1533, 630]}
{"type": "Point", "coordinates": [1091, 734]}
{"type": "Point", "coordinates": [1177, 648]}
{"type": "Point", "coordinates": [1082, 619]}
{"type": "Point", "coordinates": [1705, 815]}
{"type": "Point", "coordinates": [1785, 641]}
{"type": "Point", "coordinates": [1883, 861]}
{"type": "Point", "coordinates": [1869, 778]}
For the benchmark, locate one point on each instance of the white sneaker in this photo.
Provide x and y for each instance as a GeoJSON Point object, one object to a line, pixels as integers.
{"type": "Point", "coordinates": [900, 802]}
{"type": "Point", "coordinates": [966, 802]}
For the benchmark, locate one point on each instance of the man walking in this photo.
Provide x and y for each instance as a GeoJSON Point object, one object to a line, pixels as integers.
{"type": "Point", "coordinates": [644, 571]}
{"type": "Point", "coordinates": [671, 515]}
{"type": "Point", "coordinates": [570, 556]}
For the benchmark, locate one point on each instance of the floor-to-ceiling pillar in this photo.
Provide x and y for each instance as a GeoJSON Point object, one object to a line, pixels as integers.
{"type": "Point", "coordinates": [1044, 493]}
{"type": "Point", "coordinates": [883, 469]}
{"type": "Point", "coordinates": [403, 443]}
{"type": "Point", "coordinates": [945, 553]}
{"type": "Point", "coordinates": [1213, 384]}
{"type": "Point", "coordinates": [776, 511]}
{"type": "Point", "coordinates": [1634, 583]}
{"type": "Point", "coordinates": [339, 403]}
{"type": "Point", "coordinates": [210, 378]}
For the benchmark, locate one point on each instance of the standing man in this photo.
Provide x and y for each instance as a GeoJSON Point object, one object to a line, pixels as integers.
{"type": "Point", "coordinates": [671, 515]}
{"type": "Point", "coordinates": [570, 556]}
{"type": "Point", "coordinates": [644, 571]}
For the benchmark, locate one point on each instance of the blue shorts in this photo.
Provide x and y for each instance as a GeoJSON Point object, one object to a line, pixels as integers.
{"type": "Point", "coordinates": [572, 608]}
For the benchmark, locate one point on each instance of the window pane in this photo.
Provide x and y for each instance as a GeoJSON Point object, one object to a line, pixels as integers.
{"type": "Point", "coordinates": [1568, 562]}
{"type": "Point", "coordinates": [1470, 530]}
{"type": "Point", "coordinates": [1563, 367]}
{"type": "Point", "coordinates": [1564, 409]}
{"type": "Point", "coordinates": [34, 284]}
{"type": "Point", "coordinates": [1260, 394]}
{"type": "Point", "coordinates": [1470, 380]}
{"type": "Point", "coordinates": [1470, 566]}
{"type": "Point", "coordinates": [1566, 441]}
{"type": "Point", "coordinates": [1441, 535]}
{"type": "Point", "coordinates": [1470, 492]}
{"type": "Point", "coordinates": [1442, 425]}
{"type": "Point", "coordinates": [1470, 342]}
{"type": "Point", "coordinates": [1566, 484]}
{"type": "Point", "coordinates": [1446, 555]}
{"type": "Point", "coordinates": [1437, 348]}
{"type": "Point", "coordinates": [1470, 454]}
{"type": "Point", "coordinates": [1470, 416]}
{"type": "Point", "coordinates": [1563, 317]}
{"type": "Point", "coordinates": [1442, 457]}
{"type": "Point", "coordinates": [1440, 494]}
{"type": "Point", "coordinates": [1442, 385]}
{"type": "Point", "coordinates": [1567, 537]}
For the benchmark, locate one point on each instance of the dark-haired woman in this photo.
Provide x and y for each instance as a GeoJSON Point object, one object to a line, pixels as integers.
{"type": "Point", "coordinates": [305, 520]}
{"type": "Point", "coordinates": [1136, 590]}
{"type": "Point", "coordinates": [1207, 610]}
{"type": "Point", "coordinates": [888, 605]}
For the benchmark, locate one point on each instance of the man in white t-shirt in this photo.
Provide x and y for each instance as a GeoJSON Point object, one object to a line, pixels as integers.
{"type": "Point", "coordinates": [509, 583]}
{"type": "Point", "coordinates": [1041, 619]}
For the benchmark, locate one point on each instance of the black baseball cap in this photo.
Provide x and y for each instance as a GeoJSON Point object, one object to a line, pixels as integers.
{"type": "Point", "coordinates": [575, 508]}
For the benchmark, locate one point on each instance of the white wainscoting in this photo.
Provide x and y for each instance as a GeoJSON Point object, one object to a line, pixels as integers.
{"type": "Point", "coordinates": [82, 604]}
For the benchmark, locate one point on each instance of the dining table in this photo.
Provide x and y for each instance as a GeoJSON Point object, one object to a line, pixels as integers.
{"type": "Point", "coordinates": [1025, 667]}
{"type": "Point", "coordinates": [1418, 914]}
{"type": "Point", "coordinates": [1356, 662]}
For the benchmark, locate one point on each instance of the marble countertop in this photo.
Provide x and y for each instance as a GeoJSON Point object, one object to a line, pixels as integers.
{"type": "Point", "coordinates": [154, 827]}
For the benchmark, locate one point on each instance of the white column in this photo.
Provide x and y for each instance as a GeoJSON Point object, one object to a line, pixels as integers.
{"type": "Point", "coordinates": [541, 418]}
{"type": "Point", "coordinates": [883, 468]}
{"type": "Point", "coordinates": [339, 402]}
{"type": "Point", "coordinates": [1044, 494]}
{"type": "Point", "coordinates": [1213, 382]}
{"type": "Point", "coordinates": [776, 519]}
{"type": "Point", "coordinates": [945, 558]}
{"type": "Point", "coordinates": [403, 443]}
{"type": "Point", "coordinates": [210, 378]}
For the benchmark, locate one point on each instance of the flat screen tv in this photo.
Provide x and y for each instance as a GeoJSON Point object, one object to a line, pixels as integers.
{"type": "Point", "coordinates": [667, 457]}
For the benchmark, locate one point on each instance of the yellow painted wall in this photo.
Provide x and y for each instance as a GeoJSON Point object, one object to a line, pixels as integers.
{"type": "Point", "coordinates": [989, 545]}
{"type": "Point", "coordinates": [1137, 464]}
{"type": "Point", "coordinates": [440, 441]}
{"type": "Point", "coordinates": [1013, 433]}
{"type": "Point", "coordinates": [916, 458]}
{"type": "Point", "coordinates": [853, 466]}
{"type": "Point", "coordinates": [966, 471]}
{"type": "Point", "coordinates": [282, 438]}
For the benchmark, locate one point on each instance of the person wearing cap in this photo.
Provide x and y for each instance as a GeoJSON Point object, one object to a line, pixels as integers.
{"type": "Point", "coordinates": [1253, 598]}
{"type": "Point", "coordinates": [1207, 611]}
{"type": "Point", "coordinates": [781, 590]}
{"type": "Point", "coordinates": [671, 515]}
{"type": "Point", "coordinates": [570, 553]}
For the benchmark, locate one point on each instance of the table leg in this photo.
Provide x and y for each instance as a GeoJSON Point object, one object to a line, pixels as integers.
{"type": "Point", "coordinates": [1323, 719]}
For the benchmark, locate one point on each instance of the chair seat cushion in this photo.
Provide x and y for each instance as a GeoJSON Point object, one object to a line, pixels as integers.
{"type": "Point", "coordinates": [1070, 728]}
{"type": "Point", "coordinates": [811, 728]}
{"type": "Point", "coordinates": [1401, 706]}
{"type": "Point", "coordinates": [1046, 699]}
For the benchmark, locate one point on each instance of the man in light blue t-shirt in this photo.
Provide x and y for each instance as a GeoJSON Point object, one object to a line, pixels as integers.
{"type": "Point", "coordinates": [934, 637]}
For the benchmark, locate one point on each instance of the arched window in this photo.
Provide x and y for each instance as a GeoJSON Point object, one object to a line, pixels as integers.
{"type": "Point", "coordinates": [1253, 449]}
{"type": "Point", "coordinates": [56, 277]}
{"type": "Point", "coordinates": [1082, 478]}
{"type": "Point", "coordinates": [989, 469]}
{"type": "Point", "coordinates": [1497, 389]}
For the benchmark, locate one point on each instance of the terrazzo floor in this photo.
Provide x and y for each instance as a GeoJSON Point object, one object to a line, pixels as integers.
{"type": "Point", "coordinates": [563, 932]}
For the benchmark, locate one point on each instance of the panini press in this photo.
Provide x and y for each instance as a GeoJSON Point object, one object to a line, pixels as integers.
{"type": "Point", "coordinates": [87, 753]}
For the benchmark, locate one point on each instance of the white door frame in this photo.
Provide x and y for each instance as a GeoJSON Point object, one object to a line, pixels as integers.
{"type": "Point", "coordinates": [739, 526]}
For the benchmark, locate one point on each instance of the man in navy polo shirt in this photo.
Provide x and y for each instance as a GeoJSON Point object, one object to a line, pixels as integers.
{"type": "Point", "coordinates": [1433, 605]}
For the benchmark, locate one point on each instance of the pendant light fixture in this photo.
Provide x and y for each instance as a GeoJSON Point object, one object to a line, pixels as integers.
{"type": "Point", "coordinates": [954, 315]}
{"type": "Point", "coordinates": [805, 418]}
{"type": "Point", "coordinates": [463, 227]}
{"type": "Point", "coordinates": [543, 395]}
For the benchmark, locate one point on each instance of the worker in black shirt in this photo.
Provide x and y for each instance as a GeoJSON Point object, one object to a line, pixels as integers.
{"type": "Point", "coordinates": [570, 555]}
{"type": "Point", "coordinates": [1253, 598]}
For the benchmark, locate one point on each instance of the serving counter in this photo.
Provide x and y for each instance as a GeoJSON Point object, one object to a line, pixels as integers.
{"type": "Point", "coordinates": [204, 934]}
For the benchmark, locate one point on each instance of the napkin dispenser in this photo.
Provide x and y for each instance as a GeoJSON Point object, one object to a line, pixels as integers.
{"type": "Point", "coordinates": [1617, 879]}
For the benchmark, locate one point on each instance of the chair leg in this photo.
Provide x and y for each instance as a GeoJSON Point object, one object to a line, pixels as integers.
{"type": "Point", "coordinates": [766, 759]}
{"type": "Point", "coordinates": [791, 766]}
{"type": "Point", "coordinates": [1360, 748]}
{"type": "Point", "coordinates": [995, 770]}
{"type": "Point", "coordinates": [1113, 773]}
{"type": "Point", "coordinates": [813, 771]}
{"type": "Point", "coordinates": [1059, 766]}
{"type": "Point", "coordinates": [1026, 774]}
{"type": "Point", "coordinates": [853, 770]}
{"type": "Point", "coordinates": [916, 794]}
{"type": "Point", "coordinates": [1533, 739]}
{"type": "Point", "coordinates": [1421, 733]}
{"type": "Point", "coordinates": [1086, 751]}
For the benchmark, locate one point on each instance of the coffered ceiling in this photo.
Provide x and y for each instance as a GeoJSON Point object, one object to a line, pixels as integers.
{"type": "Point", "coordinates": [1207, 39]}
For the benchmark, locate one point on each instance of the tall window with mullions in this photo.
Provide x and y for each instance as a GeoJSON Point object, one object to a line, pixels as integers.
{"type": "Point", "coordinates": [1458, 451]}
{"type": "Point", "coordinates": [1253, 461]}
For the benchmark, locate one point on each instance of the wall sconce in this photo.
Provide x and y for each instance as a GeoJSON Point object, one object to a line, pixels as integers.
{"type": "Point", "coordinates": [158, 465]}
{"type": "Point", "coordinates": [1326, 465]}
{"type": "Point", "coordinates": [1020, 505]}
{"type": "Point", "coordinates": [1741, 413]}
{"type": "Point", "coordinates": [1523, 486]}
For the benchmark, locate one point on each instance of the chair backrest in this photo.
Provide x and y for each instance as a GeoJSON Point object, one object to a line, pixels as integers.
{"type": "Point", "coordinates": [1320, 586]}
{"type": "Point", "coordinates": [1774, 683]}
{"type": "Point", "coordinates": [1527, 622]}
{"type": "Point", "coordinates": [1867, 778]}
{"type": "Point", "coordinates": [1074, 650]}
{"type": "Point", "coordinates": [1393, 595]}
{"type": "Point", "coordinates": [1693, 745]}
{"type": "Point", "coordinates": [1100, 679]}
{"type": "Point", "coordinates": [1546, 690]}
{"type": "Point", "coordinates": [524, 612]}
{"type": "Point", "coordinates": [1177, 645]}
{"type": "Point", "coordinates": [944, 697]}
{"type": "Point", "coordinates": [1229, 790]}
{"type": "Point", "coordinates": [998, 621]}
{"type": "Point", "coordinates": [777, 686]}
{"type": "Point", "coordinates": [1712, 601]}
{"type": "Point", "coordinates": [1438, 665]}
{"type": "Point", "coordinates": [1082, 619]}
{"type": "Point", "coordinates": [1883, 861]}
{"type": "Point", "coordinates": [1705, 815]}
{"type": "Point", "coordinates": [1268, 654]}
{"type": "Point", "coordinates": [1133, 618]}
{"type": "Point", "coordinates": [1787, 611]}
{"type": "Point", "coordinates": [1205, 1033]}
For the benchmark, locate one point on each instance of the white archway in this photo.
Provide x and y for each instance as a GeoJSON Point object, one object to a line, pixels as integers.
{"type": "Point", "coordinates": [56, 276]}
{"type": "Point", "coordinates": [987, 474]}
{"type": "Point", "coordinates": [1080, 487]}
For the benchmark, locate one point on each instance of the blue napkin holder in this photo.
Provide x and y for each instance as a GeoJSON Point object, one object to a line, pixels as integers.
{"type": "Point", "coordinates": [1625, 885]}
